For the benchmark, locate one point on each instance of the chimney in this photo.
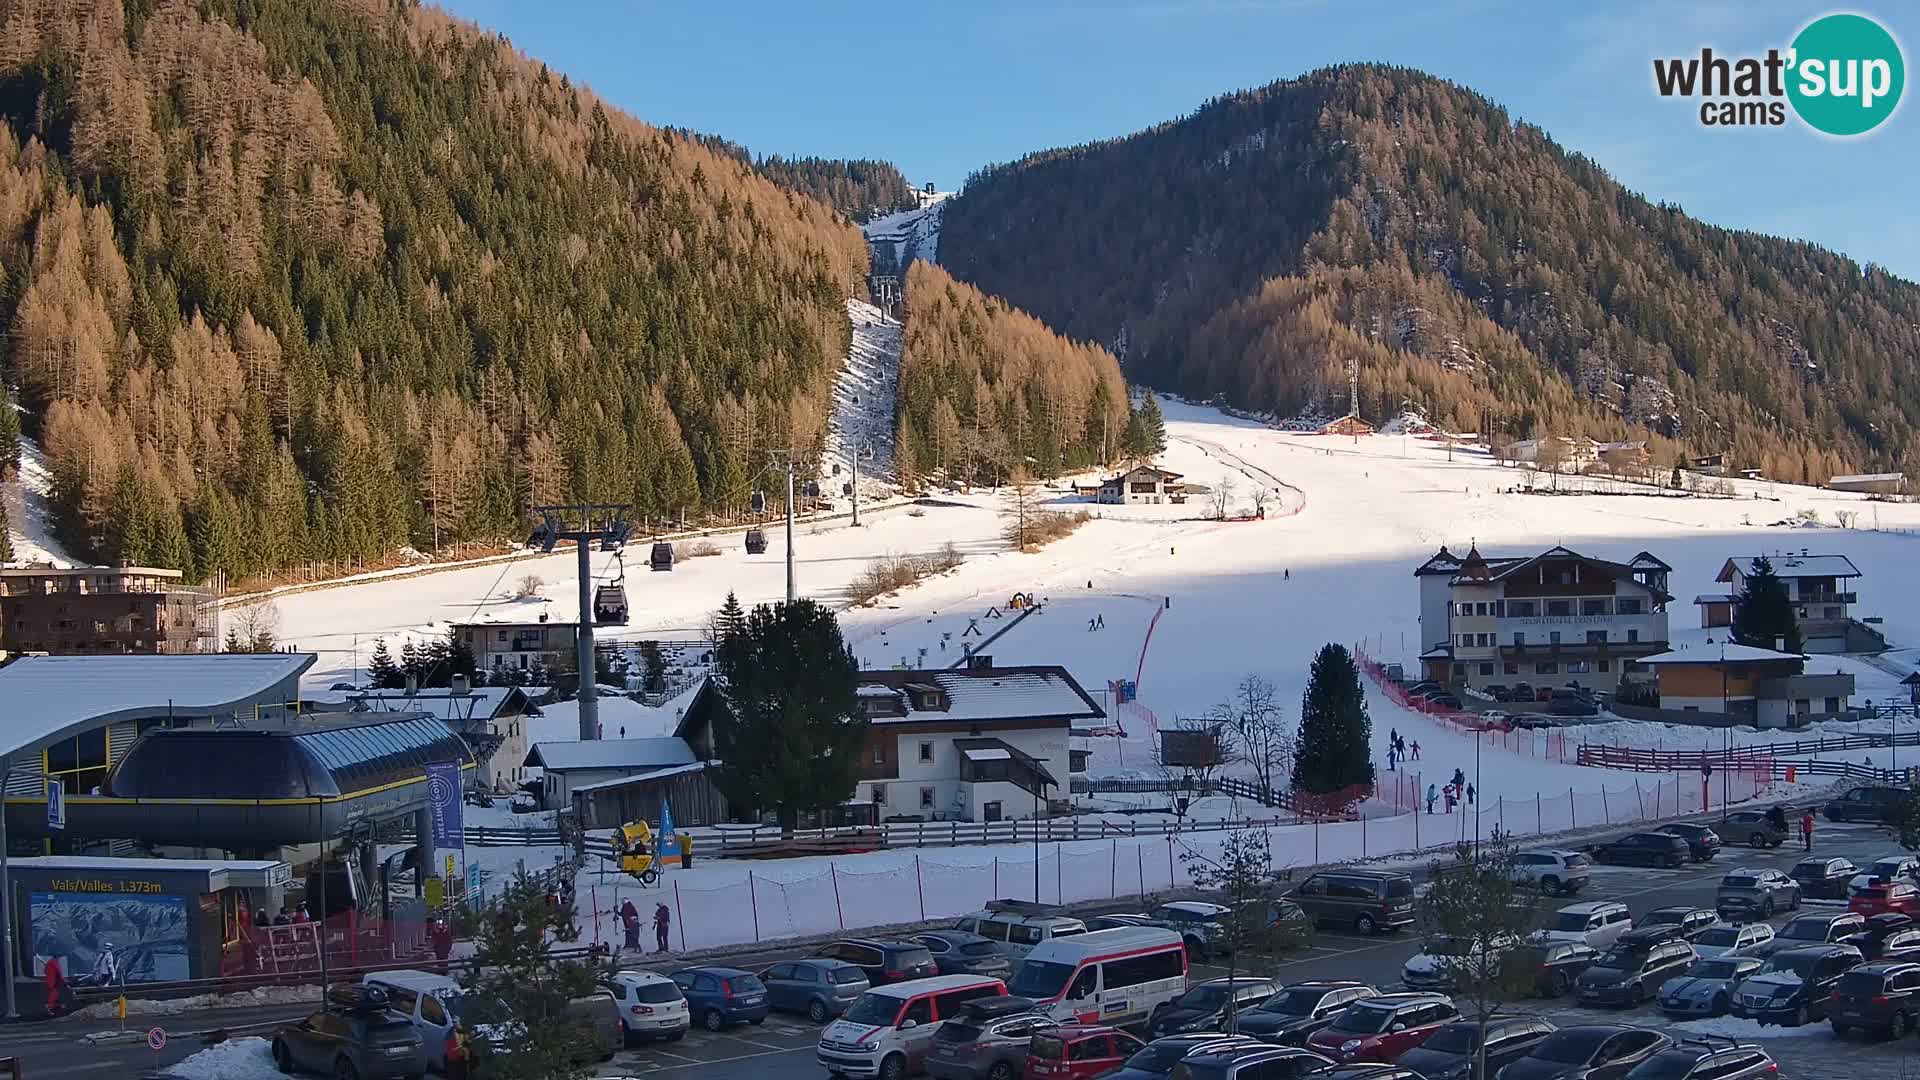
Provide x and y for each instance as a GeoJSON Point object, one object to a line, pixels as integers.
{"type": "Point", "coordinates": [459, 686]}
{"type": "Point", "coordinates": [1780, 644]}
{"type": "Point", "coordinates": [413, 685]}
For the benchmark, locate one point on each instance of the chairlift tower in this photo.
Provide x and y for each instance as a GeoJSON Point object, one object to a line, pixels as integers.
{"type": "Point", "coordinates": [584, 524]}
{"type": "Point", "coordinates": [861, 449]}
{"type": "Point", "coordinates": [788, 461]}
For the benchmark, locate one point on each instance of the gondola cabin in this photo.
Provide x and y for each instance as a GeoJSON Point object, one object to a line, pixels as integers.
{"type": "Point", "coordinates": [759, 502]}
{"type": "Point", "coordinates": [662, 557]}
{"type": "Point", "coordinates": [756, 542]}
{"type": "Point", "coordinates": [610, 605]}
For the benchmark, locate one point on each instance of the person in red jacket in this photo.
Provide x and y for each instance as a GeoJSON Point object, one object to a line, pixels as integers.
{"type": "Point", "coordinates": [1806, 829]}
{"type": "Point", "coordinates": [56, 980]}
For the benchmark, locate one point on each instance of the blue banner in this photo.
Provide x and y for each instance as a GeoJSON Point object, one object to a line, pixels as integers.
{"type": "Point", "coordinates": [669, 840]}
{"type": "Point", "coordinates": [444, 804]}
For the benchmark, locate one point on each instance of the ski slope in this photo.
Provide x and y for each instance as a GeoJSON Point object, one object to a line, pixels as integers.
{"type": "Point", "coordinates": [29, 519]}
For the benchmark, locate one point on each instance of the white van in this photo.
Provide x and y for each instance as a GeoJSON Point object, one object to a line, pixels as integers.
{"type": "Point", "coordinates": [889, 1029]}
{"type": "Point", "coordinates": [1596, 924]}
{"type": "Point", "coordinates": [421, 997]}
{"type": "Point", "coordinates": [1015, 934]}
{"type": "Point", "coordinates": [1116, 977]}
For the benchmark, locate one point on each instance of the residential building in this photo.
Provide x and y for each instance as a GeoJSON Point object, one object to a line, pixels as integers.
{"type": "Point", "coordinates": [90, 610]}
{"type": "Point", "coordinates": [974, 744]}
{"type": "Point", "coordinates": [1553, 619]}
{"type": "Point", "coordinates": [1140, 484]}
{"type": "Point", "coordinates": [570, 765]}
{"type": "Point", "coordinates": [1821, 590]}
{"type": "Point", "coordinates": [1892, 483]}
{"type": "Point", "coordinates": [1349, 424]}
{"type": "Point", "coordinates": [505, 643]}
{"type": "Point", "coordinates": [1574, 454]}
{"type": "Point", "coordinates": [1758, 686]}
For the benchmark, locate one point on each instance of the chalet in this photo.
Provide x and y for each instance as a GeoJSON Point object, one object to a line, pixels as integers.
{"type": "Point", "coordinates": [1757, 686]}
{"type": "Point", "coordinates": [1820, 588]}
{"type": "Point", "coordinates": [975, 744]}
{"type": "Point", "coordinates": [522, 644]}
{"type": "Point", "coordinates": [1350, 424]}
{"type": "Point", "coordinates": [1556, 618]}
{"type": "Point", "coordinates": [1140, 484]}
{"type": "Point", "coordinates": [1574, 455]}
{"type": "Point", "coordinates": [1871, 483]}
{"type": "Point", "coordinates": [568, 765]}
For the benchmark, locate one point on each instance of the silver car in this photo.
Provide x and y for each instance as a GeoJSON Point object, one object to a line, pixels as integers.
{"type": "Point", "coordinates": [1732, 939]}
{"type": "Point", "coordinates": [1755, 894]}
{"type": "Point", "coordinates": [1552, 870]}
{"type": "Point", "coordinates": [1707, 987]}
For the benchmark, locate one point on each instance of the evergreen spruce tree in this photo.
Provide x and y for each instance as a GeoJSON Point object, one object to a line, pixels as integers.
{"type": "Point", "coordinates": [1334, 749]}
{"type": "Point", "coordinates": [1153, 427]}
{"type": "Point", "coordinates": [1134, 445]}
{"type": "Point", "coordinates": [790, 736]}
{"type": "Point", "coordinates": [6, 535]}
{"type": "Point", "coordinates": [382, 672]}
{"type": "Point", "coordinates": [233, 642]}
{"type": "Point", "coordinates": [9, 434]}
{"type": "Point", "coordinates": [729, 619]}
{"type": "Point", "coordinates": [1764, 615]}
{"type": "Point", "coordinates": [412, 664]}
{"type": "Point", "coordinates": [517, 982]}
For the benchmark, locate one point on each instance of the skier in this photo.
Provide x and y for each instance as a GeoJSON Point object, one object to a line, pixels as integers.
{"type": "Point", "coordinates": [1286, 575]}
{"type": "Point", "coordinates": [1432, 794]}
{"type": "Point", "coordinates": [1451, 798]}
{"type": "Point", "coordinates": [1459, 779]}
{"type": "Point", "coordinates": [1416, 749]}
{"type": "Point", "coordinates": [1100, 621]}
{"type": "Point", "coordinates": [662, 919]}
{"type": "Point", "coordinates": [1470, 794]}
{"type": "Point", "coordinates": [630, 918]}
{"type": "Point", "coordinates": [1389, 759]}
{"type": "Point", "coordinates": [1393, 737]}
{"type": "Point", "coordinates": [1089, 625]}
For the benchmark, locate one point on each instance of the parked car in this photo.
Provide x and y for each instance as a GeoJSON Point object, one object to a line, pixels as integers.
{"type": "Point", "coordinates": [1813, 928]}
{"type": "Point", "coordinates": [422, 997]}
{"type": "Point", "coordinates": [822, 989]}
{"type": "Point", "coordinates": [1382, 1028]}
{"type": "Point", "coordinates": [599, 1014]}
{"type": "Point", "coordinates": [1076, 1052]}
{"type": "Point", "coordinates": [1646, 937]}
{"type": "Point", "coordinates": [1199, 924]}
{"type": "Point", "coordinates": [1367, 901]}
{"type": "Point", "coordinates": [1708, 1059]}
{"type": "Point", "coordinates": [1521, 692]}
{"type": "Point", "coordinates": [1883, 898]}
{"type": "Point", "coordinates": [1497, 692]}
{"type": "Point", "coordinates": [1628, 973]}
{"type": "Point", "coordinates": [956, 952]}
{"type": "Point", "coordinates": [1208, 1005]}
{"type": "Point", "coordinates": [1441, 963]}
{"type": "Point", "coordinates": [1752, 828]}
{"type": "Point", "coordinates": [1587, 1052]}
{"type": "Point", "coordinates": [1823, 877]}
{"type": "Point", "coordinates": [1702, 842]}
{"type": "Point", "coordinates": [987, 1039]}
{"type": "Point", "coordinates": [1756, 894]}
{"type": "Point", "coordinates": [1732, 939]}
{"type": "Point", "coordinates": [720, 997]}
{"type": "Point", "coordinates": [1706, 988]}
{"type": "Point", "coordinates": [1367, 1072]}
{"type": "Point", "coordinates": [1247, 1062]}
{"type": "Point", "coordinates": [1552, 870]}
{"type": "Point", "coordinates": [1882, 998]}
{"type": "Point", "coordinates": [1016, 928]}
{"type": "Point", "coordinates": [1449, 1053]}
{"type": "Point", "coordinates": [1644, 849]}
{"type": "Point", "coordinates": [1876, 804]}
{"type": "Point", "coordinates": [889, 1033]}
{"type": "Point", "coordinates": [1443, 700]}
{"type": "Point", "coordinates": [1795, 984]}
{"type": "Point", "coordinates": [355, 1035]}
{"type": "Point", "coordinates": [1117, 920]}
{"type": "Point", "coordinates": [1889, 868]}
{"type": "Point", "coordinates": [1691, 921]}
{"type": "Point", "coordinates": [1155, 1061]}
{"type": "Point", "coordinates": [1596, 924]}
{"type": "Point", "coordinates": [1299, 1010]}
{"type": "Point", "coordinates": [651, 1006]}
{"type": "Point", "coordinates": [1556, 964]}
{"type": "Point", "coordinates": [1887, 937]}
{"type": "Point", "coordinates": [882, 962]}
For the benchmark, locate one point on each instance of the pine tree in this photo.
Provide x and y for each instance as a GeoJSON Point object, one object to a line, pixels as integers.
{"type": "Point", "coordinates": [412, 664]}
{"type": "Point", "coordinates": [9, 427]}
{"type": "Point", "coordinates": [1763, 616]}
{"type": "Point", "coordinates": [382, 672]}
{"type": "Point", "coordinates": [1334, 749]}
{"type": "Point", "coordinates": [1153, 427]}
{"type": "Point", "coordinates": [517, 982]}
{"type": "Point", "coordinates": [1134, 445]}
{"type": "Point", "coordinates": [729, 619]}
{"type": "Point", "coordinates": [233, 642]}
{"type": "Point", "coordinates": [6, 535]}
{"type": "Point", "coordinates": [791, 737]}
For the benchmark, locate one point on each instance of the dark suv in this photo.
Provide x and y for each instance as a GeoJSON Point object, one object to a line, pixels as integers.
{"type": "Point", "coordinates": [1816, 928]}
{"type": "Point", "coordinates": [1795, 986]}
{"type": "Point", "coordinates": [1865, 804]}
{"type": "Point", "coordinates": [1876, 997]}
{"type": "Point", "coordinates": [1702, 842]}
{"type": "Point", "coordinates": [1632, 971]}
{"type": "Point", "coordinates": [1590, 1052]}
{"type": "Point", "coordinates": [1368, 901]}
{"type": "Point", "coordinates": [1288, 1017]}
{"type": "Point", "coordinates": [883, 961]}
{"type": "Point", "coordinates": [1752, 828]}
{"type": "Point", "coordinates": [355, 1035]}
{"type": "Point", "coordinates": [988, 1039]}
{"type": "Point", "coordinates": [1708, 1059]}
{"type": "Point", "coordinates": [1448, 1054]}
{"type": "Point", "coordinates": [1823, 878]}
{"type": "Point", "coordinates": [1644, 849]}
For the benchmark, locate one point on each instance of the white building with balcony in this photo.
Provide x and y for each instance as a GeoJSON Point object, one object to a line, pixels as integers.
{"type": "Point", "coordinates": [1820, 588]}
{"type": "Point", "coordinates": [1558, 618]}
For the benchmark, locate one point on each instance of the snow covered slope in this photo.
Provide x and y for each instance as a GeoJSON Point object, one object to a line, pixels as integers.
{"type": "Point", "coordinates": [863, 401]}
{"type": "Point", "coordinates": [909, 234]}
{"type": "Point", "coordinates": [27, 513]}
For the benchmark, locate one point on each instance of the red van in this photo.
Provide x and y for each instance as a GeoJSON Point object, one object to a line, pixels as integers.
{"type": "Point", "coordinates": [1079, 1052]}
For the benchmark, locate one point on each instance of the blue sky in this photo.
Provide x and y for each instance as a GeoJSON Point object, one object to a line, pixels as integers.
{"type": "Point", "coordinates": [944, 86]}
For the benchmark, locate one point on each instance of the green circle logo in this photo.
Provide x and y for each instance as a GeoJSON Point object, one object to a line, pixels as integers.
{"type": "Point", "coordinates": [1847, 74]}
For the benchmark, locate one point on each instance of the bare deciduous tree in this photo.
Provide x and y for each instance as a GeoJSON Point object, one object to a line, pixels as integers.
{"type": "Point", "coordinates": [1260, 734]}
{"type": "Point", "coordinates": [1222, 498]}
{"type": "Point", "coordinates": [1261, 497]}
{"type": "Point", "coordinates": [529, 586]}
{"type": "Point", "coordinates": [254, 628]}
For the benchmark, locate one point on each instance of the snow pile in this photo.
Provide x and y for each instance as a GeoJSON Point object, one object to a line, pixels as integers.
{"type": "Point", "coordinates": [1733, 1027]}
{"type": "Point", "coordinates": [863, 401]}
{"type": "Point", "coordinates": [236, 1059]}
{"type": "Point", "coordinates": [244, 999]}
{"type": "Point", "coordinates": [29, 518]}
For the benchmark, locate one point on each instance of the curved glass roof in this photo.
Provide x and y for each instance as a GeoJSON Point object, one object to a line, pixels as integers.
{"type": "Point", "coordinates": [233, 763]}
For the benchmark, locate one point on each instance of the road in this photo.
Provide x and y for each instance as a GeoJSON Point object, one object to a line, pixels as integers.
{"type": "Point", "coordinates": [782, 1048]}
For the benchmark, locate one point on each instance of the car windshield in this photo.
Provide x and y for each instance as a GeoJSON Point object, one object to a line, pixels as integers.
{"type": "Point", "coordinates": [1739, 881]}
{"type": "Point", "coordinates": [659, 993]}
{"type": "Point", "coordinates": [475, 1009]}
{"type": "Point", "coordinates": [1624, 954]}
{"type": "Point", "coordinates": [1204, 998]}
{"type": "Point", "coordinates": [1363, 1020]}
{"type": "Point", "coordinates": [1399, 887]}
{"type": "Point", "coordinates": [1041, 979]}
{"type": "Point", "coordinates": [1570, 1047]}
{"type": "Point", "coordinates": [1663, 918]}
{"type": "Point", "coordinates": [1888, 867]}
{"type": "Point", "coordinates": [1797, 964]}
{"type": "Point", "coordinates": [1293, 1002]}
{"type": "Point", "coordinates": [846, 976]}
{"type": "Point", "coordinates": [977, 948]}
{"type": "Point", "coordinates": [1715, 969]}
{"type": "Point", "coordinates": [874, 1010]}
{"type": "Point", "coordinates": [1574, 861]}
{"type": "Point", "coordinates": [746, 984]}
{"type": "Point", "coordinates": [1453, 1039]}
{"type": "Point", "coordinates": [1158, 1057]}
{"type": "Point", "coordinates": [1806, 930]}
{"type": "Point", "coordinates": [1666, 1065]}
{"type": "Point", "coordinates": [1728, 936]}
{"type": "Point", "coordinates": [1572, 921]}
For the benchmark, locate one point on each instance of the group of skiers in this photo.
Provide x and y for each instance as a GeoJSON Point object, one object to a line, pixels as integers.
{"type": "Point", "coordinates": [1456, 791]}
{"type": "Point", "coordinates": [662, 922]}
{"type": "Point", "coordinates": [1397, 749]}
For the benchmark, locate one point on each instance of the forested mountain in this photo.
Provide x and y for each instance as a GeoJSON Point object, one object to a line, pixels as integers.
{"type": "Point", "coordinates": [1475, 269]}
{"type": "Point", "coordinates": [857, 187]}
{"type": "Point", "coordinates": [288, 282]}
{"type": "Point", "coordinates": [986, 388]}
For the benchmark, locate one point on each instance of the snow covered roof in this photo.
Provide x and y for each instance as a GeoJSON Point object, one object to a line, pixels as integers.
{"type": "Point", "coordinates": [1794, 566]}
{"type": "Point", "coordinates": [1869, 478]}
{"type": "Point", "coordinates": [992, 753]}
{"type": "Point", "coordinates": [53, 697]}
{"type": "Point", "coordinates": [1006, 694]}
{"type": "Point", "coordinates": [643, 777]}
{"type": "Point", "coordinates": [1714, 598]}
{"type": "Point", "coordinates": [611, 754]}
{"type": "Point", "coordinates": [1714, 654]}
